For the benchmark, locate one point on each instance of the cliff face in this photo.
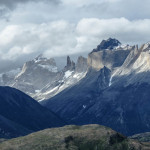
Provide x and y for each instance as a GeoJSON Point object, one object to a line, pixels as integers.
{"type": "Point", "coordinates": [109, 53]}
{"type": "Point", "coordinates": [108, 58]}
{"type": "Point", "coordinates": [70, 65]}
{"type": "Point", "coordinates": [136, 68]}
{"type": "Point", "coordinates": [81, 65]}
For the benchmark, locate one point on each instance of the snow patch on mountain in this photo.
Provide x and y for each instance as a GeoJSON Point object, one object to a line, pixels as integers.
{"type": "Point", "coordinates": [40, 58]}
{"type": "Point", "coordinates": [68, 74]}
{"type": "Point", "coordinates": [71, 79]}
{"type": "Point", "coordinates": [123, 47]}
{"type": "Point", "coordinates": [49, 68]}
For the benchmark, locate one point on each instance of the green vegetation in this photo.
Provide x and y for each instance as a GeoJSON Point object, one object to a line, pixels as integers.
{"type": "Point", "coordinates": [88, 137]}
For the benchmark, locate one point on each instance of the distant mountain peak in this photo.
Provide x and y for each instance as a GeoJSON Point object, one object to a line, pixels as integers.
{"type": "Point", "coordinates": [40, 58]}
{"type": "Point", "coordinates": [146, 46]}
{"type": "Point", "coordinates": [107, 44]}
{"type": "Point", "coordinates": [70, 64]}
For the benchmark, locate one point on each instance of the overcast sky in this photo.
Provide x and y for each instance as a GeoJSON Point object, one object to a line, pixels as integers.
{"type": "Point", "coordinates": [58, 28]}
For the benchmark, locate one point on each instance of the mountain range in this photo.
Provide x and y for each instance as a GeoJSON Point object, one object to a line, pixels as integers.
{"type": "Point", "coordinates": [110, 87]}
{"type": "Point", "coordinates": [115, 91]}
{"type": "Point", "coordinates": [41, 79]}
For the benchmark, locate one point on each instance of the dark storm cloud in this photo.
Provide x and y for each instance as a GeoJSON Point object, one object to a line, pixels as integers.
{"type": "Point", "coordinates": [6, 6]}
{"type": "Point", "coordinates": [12, 3]}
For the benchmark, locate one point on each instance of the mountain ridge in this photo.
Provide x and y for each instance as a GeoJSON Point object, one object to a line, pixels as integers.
{"type": "Point", "coordinates": [21, 115]}
{"type": "Point", "coordinates": [41, 79]}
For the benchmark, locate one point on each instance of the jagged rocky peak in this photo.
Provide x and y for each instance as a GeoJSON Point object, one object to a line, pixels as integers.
{"type": "Point", "coordinates": [135, 68]}
{"type": "Point", "coordinates": [107, 44]}
{"type": "Point", "coordinates": [35, 74]}
{"type": "Point", "coordinates": [40, 63]}
{"type": "Point", "coordinates": [81, 65]}
{"type": "Point", "coordinates": [109, 53]}
{"type": "Point", "coordinates": [70, 64]}
{"type": "Point", "coordinates": [68, 61]}
{"type": "Point", "coordinates": [146, 46]}
{"type": "Point", "coordinates": [42, 59]}
{"type": "Point", "coordinates": [69, 76]}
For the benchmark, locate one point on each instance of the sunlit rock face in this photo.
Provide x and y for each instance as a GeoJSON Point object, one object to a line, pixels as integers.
{"type": "Point", "coordinates": [109, 53]}
{"type": "Point", "coordinates": [135, 69]}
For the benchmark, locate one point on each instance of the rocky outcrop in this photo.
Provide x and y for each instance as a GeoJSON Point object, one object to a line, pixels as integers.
{"type": "Point", "coordinates": [81, 65]}
{"type": "Point", "coordinates": [70, 65]}
{"type": "Point", "coordinates": [110, 56]}
{"type": "Point", "coordinates": [107, 44]}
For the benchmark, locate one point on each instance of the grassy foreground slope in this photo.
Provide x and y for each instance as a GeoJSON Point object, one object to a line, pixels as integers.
{"type": "Point", "coordinates": [88, 137]}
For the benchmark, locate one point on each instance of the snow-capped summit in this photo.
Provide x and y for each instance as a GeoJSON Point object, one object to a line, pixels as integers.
{"type": "Point", "coordinates": [35, 74]}
{"type": "Point", "coordinates": [40, 58]}
{"type": "Point", "coordinates": [146, 46]}
{"type": "Point", "coordinates": [40, 63]}
{"type": "Point", "coordinates": [46, 63]}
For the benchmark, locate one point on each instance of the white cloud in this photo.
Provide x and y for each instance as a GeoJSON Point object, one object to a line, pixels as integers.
{"type": "Point", "coordinates": [53, 39]}
{"type": "Point", "coordinates": [136, 31]}
{"type": "Point", "coordinates": [60, 38]}
{"type": "Point", "coordinates": [11, 4]}
{"type": "Point", "coordinates": [8, 34]}
{"type": "Point", "coordinates": [80, 3]}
